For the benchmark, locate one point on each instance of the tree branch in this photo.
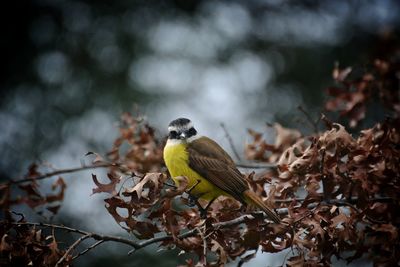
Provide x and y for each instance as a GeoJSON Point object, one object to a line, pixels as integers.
{"type": "Point", "coordinates": [21, 180]}
{"type": "Point", "coordinates": [62, 171]}
{"type": "Point", "coordinates": [337, 201]}
{"type": "Point", "coordinates": [162, 238]}
{"type": "Point", "coordinates": [95, 236]}
{"type": "Point", "coordinates": [256, 165]}
{"type": "Point", "coordinates": [218, 225]}
{"type": "Point", "coordinates": [88, 248]}
{"type": "Point", "coordinates": [138, 245]}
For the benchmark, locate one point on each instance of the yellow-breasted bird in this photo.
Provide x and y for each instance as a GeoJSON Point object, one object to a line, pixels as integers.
{"type": "Point", "coordinates": [211, 172]}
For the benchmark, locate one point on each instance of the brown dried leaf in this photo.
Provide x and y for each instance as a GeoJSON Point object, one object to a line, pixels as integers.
{"type": "Point", "coordinates": [219, 250]}
{"type": "Point", "coordinates": [106, 188]}
{"type": "Point", "coordinates": [59, 183]}
{"type": "Point", "coordinates": [150, 180]}
{"type": "Point", "coordinates": [284, 136]}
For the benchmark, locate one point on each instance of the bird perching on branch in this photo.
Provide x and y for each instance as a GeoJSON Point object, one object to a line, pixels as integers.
{"type": "Point", "coordinates": [210, 171]}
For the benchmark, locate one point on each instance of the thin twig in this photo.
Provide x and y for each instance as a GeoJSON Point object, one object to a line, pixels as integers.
{"type": "Point", "coordinates": [95, 236]}
{"type": "Point", "coordinates": [336, 201]}
{"type": "Point", "coordinates": [314, 124]}
{"type": "Point", "coordinates": [170, 185]}
{"type": "Point", "coordinates": [88, 248]}
{"type": "Point", "coordinates": [62, 171]}
{"type": "Point", "coordinates": [289, 200]}
{"type": "Point", "coordinates": [344, 203]}
{"type": "Point", "coordinates": [161, 238]}
{"type": "Point", "coordinates": [106, 165]}
{"type": "Point", "coordinates": [256, 165]}
{"type": "Point", "coordinates": [204, 244]}
{"type": "Point", "coordinates": [230, 140]}
{"type": "Point", "coordinates": [74, 245]}
{"type": "Point", "coordinates": [235, 221]}
{"type": "Point", "coordinates": [327, 195]}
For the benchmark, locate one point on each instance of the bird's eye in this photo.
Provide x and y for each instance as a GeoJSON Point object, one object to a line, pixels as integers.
{"type": "Point", "coordinates": [192, 131]}
{"type": "Point", "coordinates": [173, 134]}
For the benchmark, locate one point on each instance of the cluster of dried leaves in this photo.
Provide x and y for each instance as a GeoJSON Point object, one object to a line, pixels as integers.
{"type": "Point", "coordinates": [354, 91]}
{"type": "Point", "coordinates": [349, 197]}
{"type": "Point", "coordinates": [338, 194]}
{"type": "Point", "coordinates": [22, 245]}
{"type": "Point", "coordinates": [30, 194]}
{"type": "Point", "coordinates": [343, 192]}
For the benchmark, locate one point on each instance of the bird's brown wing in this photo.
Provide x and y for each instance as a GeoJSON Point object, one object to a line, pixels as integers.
{"type": "Point", "coordinates": [208, 159]}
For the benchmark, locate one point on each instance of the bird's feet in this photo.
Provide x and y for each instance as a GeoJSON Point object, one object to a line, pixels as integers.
{"type": "Point", "coordinates": [203, 213]}
{"type": "Point", "coordinates": [193, 187]}
{"type": "Point", "coordinates": [194, 201]}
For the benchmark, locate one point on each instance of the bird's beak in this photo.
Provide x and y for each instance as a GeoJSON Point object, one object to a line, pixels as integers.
{"type": "Point", "coordinates": [182, 136]}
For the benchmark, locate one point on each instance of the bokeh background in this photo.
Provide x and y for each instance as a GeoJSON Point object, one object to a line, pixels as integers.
{"type": "Point", "coordinates": [70, 68]}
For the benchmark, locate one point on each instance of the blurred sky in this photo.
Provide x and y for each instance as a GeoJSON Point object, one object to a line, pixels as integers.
{"type": "Point", "coordinates": [69, 68]}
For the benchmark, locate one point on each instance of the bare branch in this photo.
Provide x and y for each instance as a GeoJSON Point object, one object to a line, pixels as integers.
{"type": "Point", "coordinates": [192, 232]}
{"type": "Point", "coordinates": [95, 236]}
{"type": "Point", "coordinates": [314, 124]}
{"type": "Point", "coordinates": [230, 140]}
{"type": "Point", "coordinates": [337, 201]}
{"type": "Point", "coordinates": [162, 238]}
{"type": "Point", "coordinates": [256, 165]}
{"type": "Point", "coordinates": [170, 185]}
{"type": "Point", "coordinates": [74, 245]}
{"type": "Point", "coordinates": [204, 245]}
{"type": "Point", "coordinates": [21, 180]}
{"type": "Point", "coordinates": [88, 248]}
{"type": "Point", "coordinates": [62, 171]}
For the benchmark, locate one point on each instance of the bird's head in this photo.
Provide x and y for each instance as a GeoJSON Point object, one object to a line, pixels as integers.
{"type": "Point", "coordinates": [181, 129]}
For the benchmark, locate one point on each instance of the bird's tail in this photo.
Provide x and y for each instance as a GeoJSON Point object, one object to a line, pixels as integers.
{"type": "Point", "coordinates": [252, 199]}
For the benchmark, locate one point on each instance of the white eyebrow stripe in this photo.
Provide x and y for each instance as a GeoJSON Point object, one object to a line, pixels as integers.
{"type": "Point", "coordinates": [172, 128]}
{"type": "Point", "coordinates": [189, 125]}
{"type": "Point", "coordinates": [179, 128]}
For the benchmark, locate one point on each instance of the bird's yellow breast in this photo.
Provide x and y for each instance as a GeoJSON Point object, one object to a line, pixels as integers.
{"type": "Point", "coordinates": [176, 158]}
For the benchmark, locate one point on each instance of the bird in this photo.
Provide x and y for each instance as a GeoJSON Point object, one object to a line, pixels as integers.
{"type": "Point", "coordinates": [209, 169]}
